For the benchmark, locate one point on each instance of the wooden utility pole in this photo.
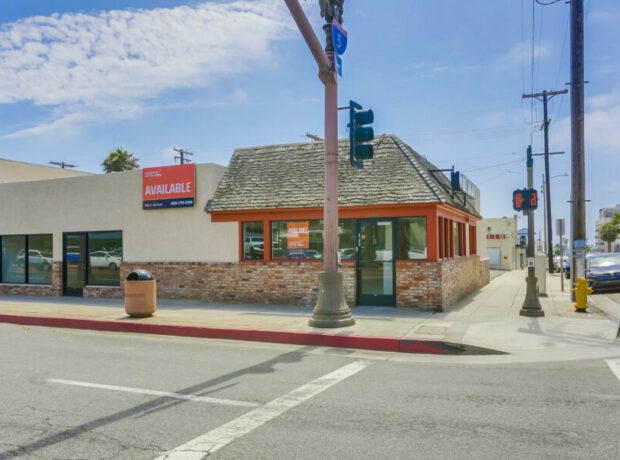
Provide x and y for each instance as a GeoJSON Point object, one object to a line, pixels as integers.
{"type": "Point", "coordinates": [182, 154]}
{"type": "Point", "coordinates": [546, 96]}
{"type": "Point", "coordinates": [62, 164]}
{"type": "Point", "coordinates": [578, 205]}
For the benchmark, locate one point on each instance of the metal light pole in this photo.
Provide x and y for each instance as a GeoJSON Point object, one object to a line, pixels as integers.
{"type": "Point", "coordinates": [331, 309]}
{"type": "Point", "coordinates": [546, 96]}
{"type": "Point", "coordinates": [531, 304]}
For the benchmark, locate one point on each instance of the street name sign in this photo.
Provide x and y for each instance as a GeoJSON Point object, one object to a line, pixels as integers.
{"type": "Point", "coordinates": [339, 37]}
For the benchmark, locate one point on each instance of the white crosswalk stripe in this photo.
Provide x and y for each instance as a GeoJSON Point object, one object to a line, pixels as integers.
{"type": "Point", "coordinates": [614, 365]}
{"type": "Point", "coordinates": [166, 394]}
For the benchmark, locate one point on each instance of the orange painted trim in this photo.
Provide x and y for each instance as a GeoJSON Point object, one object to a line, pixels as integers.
{"type": "Point", "coordinates": [439, 217]}
{"type": "Point", "coordinates": [241, 241]}
{"type": "Point", "coordinates": [345, 212]}
{"type": "Point", "coordinates": [454, 213]}
{"type": "Point", "coordinates": [432, 237]}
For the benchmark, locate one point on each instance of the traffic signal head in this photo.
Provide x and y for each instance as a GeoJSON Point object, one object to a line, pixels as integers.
{"type": "Point", "coordinates": [359, 134]}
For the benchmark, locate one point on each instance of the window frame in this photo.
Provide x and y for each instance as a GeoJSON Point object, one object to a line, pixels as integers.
{"type": "Point", "coordinates": [88, 265]}
{"type": "Point", "coordinates": [26, 259]}
{"type": "Point", "coordinates": [242, 236]}
{"type": "Point", "coordinates": [427, 239]}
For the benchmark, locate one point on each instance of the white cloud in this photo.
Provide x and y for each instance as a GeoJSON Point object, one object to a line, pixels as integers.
{"type": "Point", "coordinates": [435, 69]}
{"type": "Point", "coordinates": [522, 52]}
{"type": "Point", "coordinates": [602, 119]}
{"type": "Point", "coordinates": [84, 64]}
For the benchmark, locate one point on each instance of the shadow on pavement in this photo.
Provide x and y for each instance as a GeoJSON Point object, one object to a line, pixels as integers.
{"type": "Point", "coordinates": [155, 405]}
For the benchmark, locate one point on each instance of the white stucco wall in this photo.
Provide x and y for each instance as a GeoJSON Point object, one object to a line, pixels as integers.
{"type": "Point", "coordinates": [114, 202]}
{"type": "Point", "coordinates": [501, 226]}
{"type": "Point", "coordinates": [18, 171]}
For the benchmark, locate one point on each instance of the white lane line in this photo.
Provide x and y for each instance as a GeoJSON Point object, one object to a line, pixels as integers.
{"type": "Point", "coordinates": [614, 365]}
{"type": "Point", "coordinates": [228, 402]}
{"type": "Point", "coordinates": [216, 439]}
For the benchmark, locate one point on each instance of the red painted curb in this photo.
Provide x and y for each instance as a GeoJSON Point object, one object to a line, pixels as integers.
{"type": "Point", "coordinates": [296, 338]}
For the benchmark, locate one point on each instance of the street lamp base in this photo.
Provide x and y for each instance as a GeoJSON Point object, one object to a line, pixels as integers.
{"type": "Point", "coordinates": [331, 309]}
{"type": "Point", "coordinates": [531, 305]}
{"type": "Point", "coordinates": [532, 312]}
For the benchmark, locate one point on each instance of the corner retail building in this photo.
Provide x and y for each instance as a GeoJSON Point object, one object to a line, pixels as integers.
{"type": "Point", "coordinates": [251, 232]}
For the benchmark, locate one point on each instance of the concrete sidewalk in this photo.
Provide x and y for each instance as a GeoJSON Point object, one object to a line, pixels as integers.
{"type": "Point", "coordinates": [485, 322]}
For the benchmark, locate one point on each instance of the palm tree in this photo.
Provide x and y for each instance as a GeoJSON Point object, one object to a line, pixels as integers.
{"type": "Point", "coordinates": [610, 231]}
{"type": "Point", "coordinates": [120, 160]}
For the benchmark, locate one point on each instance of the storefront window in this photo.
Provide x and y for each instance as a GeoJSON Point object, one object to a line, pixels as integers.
{"type": "Point", "coordinates": [253, 243]}
{"type": "Point", "coordinates": [105, 254]}
{"type": "Point", "coordinates": [412, 238]}
{"type": "Point", "coordinates": [14, 259]}
{"type": "Point", "coordinates": [297, 239]}
{"type": "Point", "coordinates": [457, 238]}
{"type": "Point", "coordinates": [40, 259]}
{"type": "Point", "coordinates": [346, 239]}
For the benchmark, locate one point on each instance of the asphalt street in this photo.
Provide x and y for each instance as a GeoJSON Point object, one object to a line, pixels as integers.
{"type": "Point", "coordinates": [68, 394]}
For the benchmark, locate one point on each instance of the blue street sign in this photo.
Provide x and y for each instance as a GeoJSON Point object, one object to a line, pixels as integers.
{"type": "Point", "coordinates": [339, 37]}
{"type": "Point", "coordinates": [338, 65]}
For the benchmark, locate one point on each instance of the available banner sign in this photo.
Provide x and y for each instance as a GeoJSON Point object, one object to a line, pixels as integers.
{"type": "Point", "coordinates": [297, 235]}
{"type": "Point", "coordinates": [168, 186]}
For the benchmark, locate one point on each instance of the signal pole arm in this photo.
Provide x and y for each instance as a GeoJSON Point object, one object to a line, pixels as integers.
{"type": "Point", "coordinates": [326, 73]}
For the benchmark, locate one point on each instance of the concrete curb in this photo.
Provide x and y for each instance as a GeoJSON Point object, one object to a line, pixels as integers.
{"type": "Point", "coordinates": [609, 307]}
{"type": "Point", "coordinates": [391, 344]}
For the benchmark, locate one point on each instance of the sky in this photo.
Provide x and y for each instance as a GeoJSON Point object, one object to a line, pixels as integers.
{"type": "Point", "coordinates": [447, 77]}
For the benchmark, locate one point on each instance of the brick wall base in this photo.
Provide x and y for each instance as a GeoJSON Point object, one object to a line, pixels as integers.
{"type": "Point", "coordinates": [437, 285]}
{"type": "Point", "coordinates": [103, 292]}
{"type": "Point", "coordinates": [425, 285]}
{"type": "Point", "coordinates": [287, 283]}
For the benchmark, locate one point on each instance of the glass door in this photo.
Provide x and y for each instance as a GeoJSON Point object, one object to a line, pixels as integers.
{"type": "Point", "coordinates": [74, 263]}
{"type": "Point", "coordinates": [376, 241]}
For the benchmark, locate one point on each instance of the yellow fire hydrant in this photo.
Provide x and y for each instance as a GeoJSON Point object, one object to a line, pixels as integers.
{"type": "Point", "coordinates": [581, 294]}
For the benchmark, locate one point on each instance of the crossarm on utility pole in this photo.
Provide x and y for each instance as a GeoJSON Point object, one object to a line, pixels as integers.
{"type": "Point", "coordinates": [311, 39]}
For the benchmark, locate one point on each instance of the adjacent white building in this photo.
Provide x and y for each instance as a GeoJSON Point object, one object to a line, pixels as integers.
{"type": "Point", "coordinates": [604, 216]}
{"type": "Point", "coordinates": [502, 243]}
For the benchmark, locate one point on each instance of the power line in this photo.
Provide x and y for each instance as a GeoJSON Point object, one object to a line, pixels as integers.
{"type": "Point", "coordinates": [547, 3]}
{"type": "Point", "coordinates": [466, 131]}
{"type": "Point", "coordinates": [493, 166]}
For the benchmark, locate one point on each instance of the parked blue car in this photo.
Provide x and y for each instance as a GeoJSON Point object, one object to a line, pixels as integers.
{"type": "Point", "coordinates": [603, 270]}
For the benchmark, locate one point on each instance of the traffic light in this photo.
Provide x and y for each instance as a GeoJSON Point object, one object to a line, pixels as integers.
{"type": "Point", "coordinates": [360, 134]}
{"type": "Point", "coordinates": [525, 199]}
{"type": "Point", "coordinates": [523, 241]}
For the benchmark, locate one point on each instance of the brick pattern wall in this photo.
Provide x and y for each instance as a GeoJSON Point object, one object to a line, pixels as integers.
{"type": "Point", "coordinates": [425, 285]}
{"type": "Point", "coordinates": [103, 292]}
{"type": "Point", "coordinates": [418, 285]}
{"type": "Point", "coordinates": [55, 289]}
{"type": "Point", "coordinates": [288, 283]}
{"type": "Point", "coordinates": [437, 285]}
{"type": "Point", "coordinates": [463, 276]}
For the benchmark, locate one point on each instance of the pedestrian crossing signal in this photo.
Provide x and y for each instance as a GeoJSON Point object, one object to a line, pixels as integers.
{"type": "Point", "coordinates": [525, 199]}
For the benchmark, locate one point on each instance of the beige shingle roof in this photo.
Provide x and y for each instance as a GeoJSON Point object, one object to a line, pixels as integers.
{"type": "Point", "coordinates": [292, 176]}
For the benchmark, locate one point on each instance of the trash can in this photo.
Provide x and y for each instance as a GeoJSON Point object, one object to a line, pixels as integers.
{"type": "Point", "coordinates": [140, 293]}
